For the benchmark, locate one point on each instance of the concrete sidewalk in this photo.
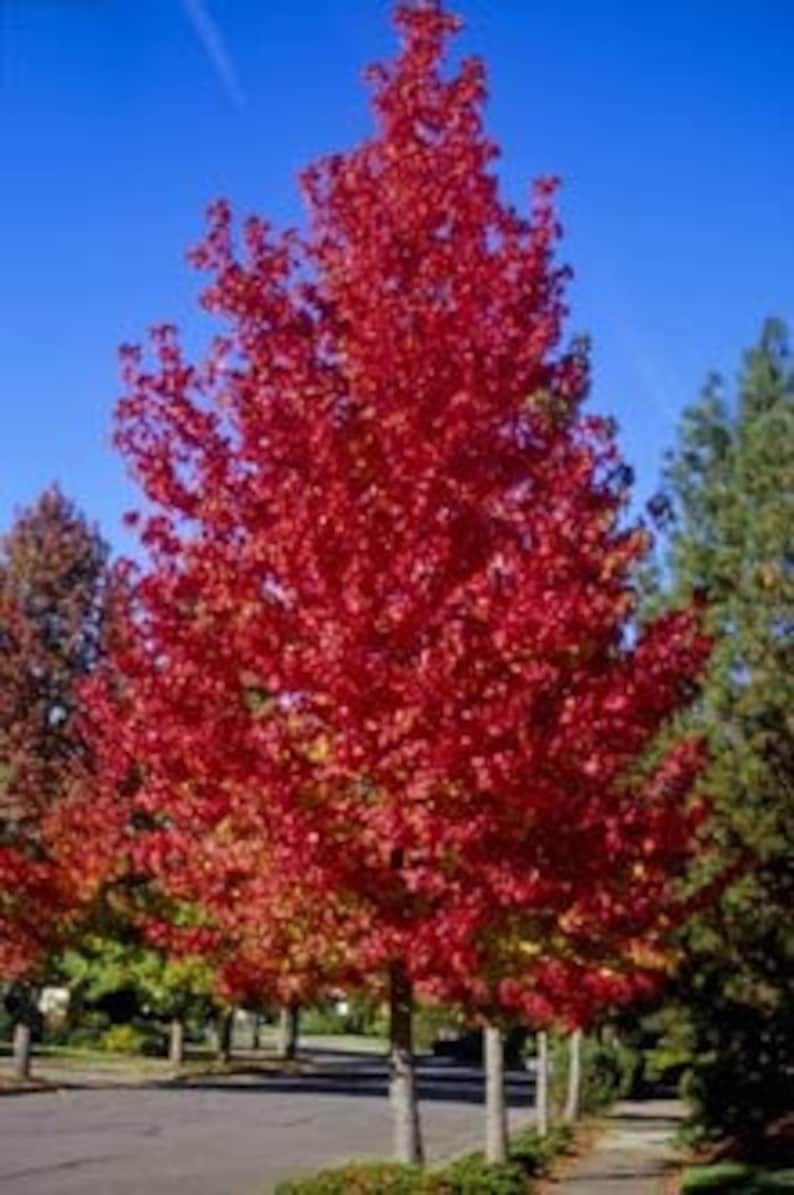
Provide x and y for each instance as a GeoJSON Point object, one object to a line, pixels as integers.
{"type": "Point", "coordinates": [634, 1155]}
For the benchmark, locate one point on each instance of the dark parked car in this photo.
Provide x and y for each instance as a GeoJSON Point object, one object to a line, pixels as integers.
{"type": "Point", "coordinates": [467, 1047]}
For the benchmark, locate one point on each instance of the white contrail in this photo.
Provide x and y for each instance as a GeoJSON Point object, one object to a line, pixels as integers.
{"type": "Point", "coordinates": [211, 39]}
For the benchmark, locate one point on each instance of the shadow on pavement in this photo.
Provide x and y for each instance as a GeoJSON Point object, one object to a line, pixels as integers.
{"type": "Point", "coordinates": [347, 1075]}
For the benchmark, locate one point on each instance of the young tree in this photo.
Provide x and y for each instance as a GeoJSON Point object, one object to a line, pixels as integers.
{"type": "Point", "coordinates": [730, 491]}
{"type": "Point", "coordinates": [381, 638]}
{"type": "Point", "coordinates": [53, 606]}
{"type": "Point", "coordinates": [288, 1028]}
{"type": "Point", "coordinates": [574, 1084]}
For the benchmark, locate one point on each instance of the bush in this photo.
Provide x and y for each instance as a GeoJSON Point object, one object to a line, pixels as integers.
{"type": "Point", "coordinates": [727, 1177]}
{"type": "Point", "coordinates": [367, 1016]}
{"type": "Point", "coordinates": [534, 1153]}
{"type": "Point", "coordinates": [358, 1178]}
{"type": "Point", "coordinates": [668, 1065]}
{"type": "Point", "coordinates": [89, 1032]}
{"type": "Point", "coordinates": [469, 1175]}
{"type": "Point", "coordinates": [430, 1022]}
{"type": "Point", "coordinates": [6, 1024]}
{"type": "Point", "coordinates": [324, 1019]}
{"type": "Point", "coordinates": [610, 1071]}
{"type": "Point", "coordinates": [58, 1034]}
{"type": "Point", "coordinates": [472, 1175]}
{"type": "Point", "coordinates": [736, 1094]}
{"type": "Point", "coordinates": [122, 1039]}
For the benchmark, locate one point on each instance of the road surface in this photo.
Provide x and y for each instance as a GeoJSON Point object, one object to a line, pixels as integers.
{"type": "Point", "coordinates": [227, 1135]}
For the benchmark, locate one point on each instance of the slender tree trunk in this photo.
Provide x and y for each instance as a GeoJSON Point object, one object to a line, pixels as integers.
{"type": "Point", "coordinates": [176, 1042]}
{"type": "Point", "coordinates": [256, 1026]}
{"type": "Point", "coordinates": [574, 1077]}
{"type": "Point", "coordinates": [402, 1082]}
{"type": "Point", "coordinates": [225, 1026]}
{"type": "Point", "coordinates": [23, 1049]}
{"type": "Point", "coordinates": [495, 1108]}
{"type": "Point", "coordinates": [542, 1083]}
{"type": "Point", "coordinates": [288, 1028]}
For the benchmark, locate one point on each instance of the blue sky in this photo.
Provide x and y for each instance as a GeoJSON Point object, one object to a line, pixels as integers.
{"type": "Point", "coordinates": [672, 126]}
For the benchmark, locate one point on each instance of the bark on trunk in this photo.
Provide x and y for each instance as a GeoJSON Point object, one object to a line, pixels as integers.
{"type": "Point", "coordinates": [542, 1084]}
{"type": "Point", "coordinates": [495, 1109]}
{"type": "Point", "coordinates": [176, 1042]}
{"type": "Point", "coordinates": [402, 1081]}
{"type": "Point", "coordinates": [225, 1026]}
{"type": "Point", "coordinates": [288, 1028]}
{"type": "Point", "coordinates": [23, 1049]}
{"type": "Point", "coordinates": [574, 1076]}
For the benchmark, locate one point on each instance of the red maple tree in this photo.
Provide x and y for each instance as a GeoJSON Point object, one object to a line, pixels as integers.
{"type": "Point", "coordinates": [381, 691]}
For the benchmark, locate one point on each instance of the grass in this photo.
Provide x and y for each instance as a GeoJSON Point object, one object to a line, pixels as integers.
{"type": "Point", "coordinates": [54, 1064]}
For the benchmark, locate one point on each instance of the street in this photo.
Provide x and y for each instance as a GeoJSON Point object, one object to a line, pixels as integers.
{"type": "Point", "coordinates": [228, 1135]}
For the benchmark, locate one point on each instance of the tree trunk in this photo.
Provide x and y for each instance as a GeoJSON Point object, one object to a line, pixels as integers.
{"type": "Point", "coordinates": [402, 1080]}
{"type": "Point", "coordinates": [288, 1026]}
{"type": "Point", "coordinates": [23, 1049]}
{"type": "Point", "coordinates": [225, 1026]}
{"type": "Point", "coordinates": [542, 1083]}
{"type": "Point", "coordinates": [574, 1076]}
{"type": "Point", "coordinates": [176, 1042]}
{"type": "Point", "coordinates": [495, 1109]}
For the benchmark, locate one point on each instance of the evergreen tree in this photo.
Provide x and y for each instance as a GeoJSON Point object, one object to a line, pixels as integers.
{"type": "Point", "coordinates": [53, 622]}
{"type": "Point", "coordinates": [53, 583]}
{"type": "Point", "coordinates": [730, 491]}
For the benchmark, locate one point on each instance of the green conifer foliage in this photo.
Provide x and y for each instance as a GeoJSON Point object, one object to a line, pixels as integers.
{"type": "Point", "coordinates": [730, 491]}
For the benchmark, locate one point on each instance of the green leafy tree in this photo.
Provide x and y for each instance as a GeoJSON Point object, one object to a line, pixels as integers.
{"type": "Point", "coordinates": [730, 502]}
{"type": "Point", "coordinates": [122, 972]}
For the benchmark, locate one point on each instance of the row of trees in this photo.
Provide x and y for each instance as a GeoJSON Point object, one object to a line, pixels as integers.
{"type": "Point", "coordinates": [377, 708]}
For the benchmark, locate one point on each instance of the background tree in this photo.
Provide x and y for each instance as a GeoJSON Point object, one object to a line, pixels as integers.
{"type": "Point", "coordinates": [53, 608]}
{"type": "Point", "coordinates": [122, 974]}
{"type": "Point", "coordinates": [730, 494]}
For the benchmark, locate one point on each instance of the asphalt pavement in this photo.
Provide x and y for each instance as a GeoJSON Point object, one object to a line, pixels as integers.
{"type": "Point", "coordinates": [229, 1135]}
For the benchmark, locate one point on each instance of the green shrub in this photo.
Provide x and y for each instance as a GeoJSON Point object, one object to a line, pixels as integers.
{"type": "Point", "coordinates": [729, 1177]}
{"type": "Point", "coordinates": [430, 1021]}
{"type": "Point", "coordinates": [57, 1034]}
{"type": "Point", "coordinates": [469, 1175]}
{"type": "Point", "coordinates": [358, 1178]}
{"type": "Point", "coordinates": [667, 1064]}
{"type": "Point", "coordinates": [610, 1071]}
{"type": "Point", "coordinates": [774, 1182]}
{"type": "Point", "coordinates": [324, 1019]}
{"type": "Point", "coordinates": [367, 1016]}
{"type": "Point", "coordinates": [6, 1024]}
{"type": "Point", "coordinates": [89, 1031]}
{"type": "Point", "coordinates": [736, 1094]}
{"type": "Point", "coordinates": [534, 1153]}
{"type": "Point", "coordinates": [122, 1039]}
{"type": "Point", "coordinates": [472, 1175]}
